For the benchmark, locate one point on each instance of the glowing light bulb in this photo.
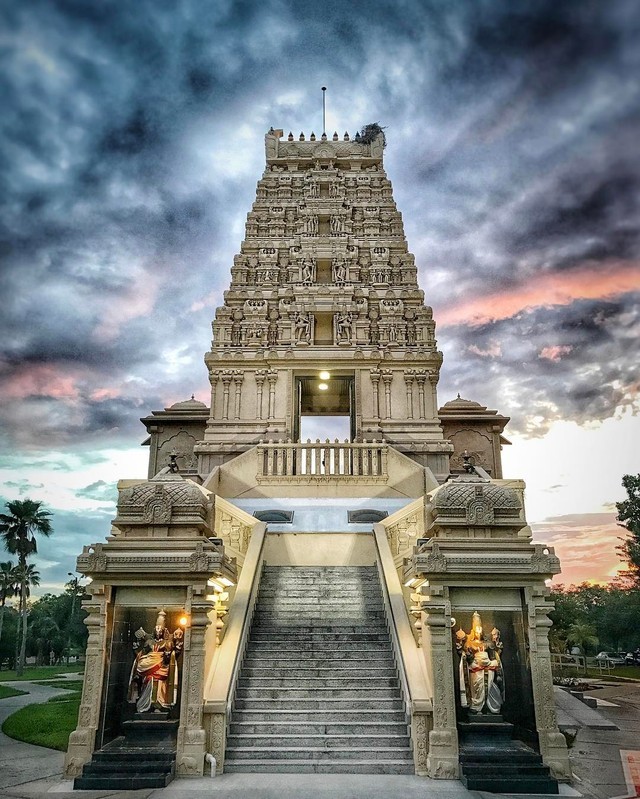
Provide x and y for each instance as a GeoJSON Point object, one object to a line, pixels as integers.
{"type": "Point", "coordinates": [324, 375]}
{"type": "Point", "coordinates": [183, 621]}
{"type": "Point", "coordinates": [323, 386]}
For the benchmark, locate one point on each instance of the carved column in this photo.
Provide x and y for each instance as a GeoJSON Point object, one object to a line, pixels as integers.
{"type": "Point", "coordinates": [421, 378]}
{"type": "Point", "coordinates": [442, 760]}
{"type": "Point", "coordinates": [238, 378]}
{"type": "Point", "coordinates": [553, 745]}
{"type": "Point", "coordinates": [387, 377]}
{"type": "Point", "coordinates": [261, 375]}
{"type": "Point", "coordinates": [227, 377]}
{"type": "Point", "coordinates": [191, 746]}
{"type": "Point", "coordinates": [375, 382]}
{"type": "Point", "coordinates": [82, 740]}
{"type": "Point", "coordinates": [408, 382]}
{"type": "Point", "coordinates": [272, 377]}
{"type": "Point", "coordinates": [213, 379]}
{"type": "Point", "coordinates": [433, 382]}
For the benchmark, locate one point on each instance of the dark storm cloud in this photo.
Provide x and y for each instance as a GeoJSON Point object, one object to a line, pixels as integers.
{"type": "Point", "coordinates": [563, 362]}
{"type": "Point", "coordinates": [132, 142]}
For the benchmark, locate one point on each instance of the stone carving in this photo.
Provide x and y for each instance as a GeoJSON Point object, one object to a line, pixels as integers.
{"type": "Point", "coordinates": [154, 675]}
{"type": "Point", "coordinates": [344, 327]}
{"type": "Point", "coordinates": [302, 327]}
{"type": "Point", "coordinates": [481, 672]}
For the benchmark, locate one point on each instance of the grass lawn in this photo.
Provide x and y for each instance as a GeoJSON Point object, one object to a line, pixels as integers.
{"type": "Point", "coordinates": [49, 724]}
{"type": "Point", "coordinates": [6, 692]}
{"type": "Point", "coordinates": [41, 672]}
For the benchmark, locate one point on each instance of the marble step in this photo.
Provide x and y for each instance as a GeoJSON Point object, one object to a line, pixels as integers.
{"type": "Point", "coordinates": [300, 638]}
{"type": "Point", "coordinates": [316, 753]}
{"type": "Point", "coordinates": [320, 704]}
{"type": "Point", "coordinates": [317, 742]}
{"type": "Point", "coordinates": [314, 727]}
{"type": "Point", "coordinates": [306, 717]}
{"type": "Point", "coordinates": [316, 683]}
{"type": "Point", "coordinates": [364, 766]}
{"type": "Point", "coordinates": [336, 671]}
{"type": "Point", "coordinates": [373, 655]}
{"type": "Point", "coordinates": [310, 691]}
{"type": "Point", "coordinates": [302, 628]}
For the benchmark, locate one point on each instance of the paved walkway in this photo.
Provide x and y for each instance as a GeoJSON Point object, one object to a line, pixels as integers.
{"type": "Point", "coordinates": [20, 762]}
{"type": "Point", "coordinates": [28, 771]}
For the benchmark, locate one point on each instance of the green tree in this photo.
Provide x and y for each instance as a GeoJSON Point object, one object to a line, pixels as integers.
{"type": "Point", "coordinates": [27, 576]}
{"type": "Point", "coordinates": [629, 518]}
{"type": "Point", "coordinates": [9, 587]}
{"type": "Point", "coordinates": [19, 529]}
{"type": "Point", "coordinates": [583, 635]}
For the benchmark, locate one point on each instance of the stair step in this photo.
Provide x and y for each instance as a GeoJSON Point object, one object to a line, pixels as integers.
{"type": "Point", "coordinates": [319, 767]}
{"type": "Point", "coordinates": [137, 766]}
{"type": "Point", "coordinates": [314, 716]}
{"type": "Point", "coordinates": [130, 782]}
{"type": "Point", "coordinates": [294, 694]}
{"type": "Point", "coordinates": [319, 657]}
{"type": "Point", "coordinates": [314, 673]}
{"type": "Point", "coordinates": [499, 784]}
{"type": "Point", "coordinates": [313, 728]}
{"type": "Point", "coordinates": [312, 742]}
{"type": "Point", "coordinates": [316, 683]}
{"type": "Point", "coordinates": [315, 753]}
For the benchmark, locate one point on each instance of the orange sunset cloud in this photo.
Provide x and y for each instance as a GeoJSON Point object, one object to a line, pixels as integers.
{"type": "Point", "coordinates": [591, 282]}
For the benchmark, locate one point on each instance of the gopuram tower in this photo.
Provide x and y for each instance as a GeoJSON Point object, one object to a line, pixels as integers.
{"type": "Point", "coordinates": [323, 572]}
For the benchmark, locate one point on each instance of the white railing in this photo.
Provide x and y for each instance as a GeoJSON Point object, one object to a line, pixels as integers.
{"type": "Point", "coordinates": [328, 459]}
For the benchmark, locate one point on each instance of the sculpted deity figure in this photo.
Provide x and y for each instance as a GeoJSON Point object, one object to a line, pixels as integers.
{"type": "Point", "coordinates": [307, 271]}
{"type": "Point", "coordinates": [339, 271]}
{"type": "Point", "coordinates": [344, 325]}
{"type": "Point", "coordinates": [302, 327]}
{"type": "Point", "coordinates": [481, 671]}
{"type": "Point", "coordinates": [153, 683]}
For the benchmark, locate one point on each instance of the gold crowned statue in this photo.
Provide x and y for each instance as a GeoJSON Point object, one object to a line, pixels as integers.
{"type": "Point", "coordinates": [153, 683]}
{"type": "Point", "coordinates": [481, 672]}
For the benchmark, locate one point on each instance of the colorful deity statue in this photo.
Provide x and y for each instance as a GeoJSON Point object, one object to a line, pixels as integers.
{"type": "Point", "coordinates": [481, 672]}
{"type": "Point", "coordinates": [153, 683]}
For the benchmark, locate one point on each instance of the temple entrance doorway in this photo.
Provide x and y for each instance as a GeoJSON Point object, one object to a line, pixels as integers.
{"type": "Point", "coordinates": [325, 409]}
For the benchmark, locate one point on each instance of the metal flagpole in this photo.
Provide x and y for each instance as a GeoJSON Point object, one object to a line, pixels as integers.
{"type": "Point", "coordinates": [324, 119]}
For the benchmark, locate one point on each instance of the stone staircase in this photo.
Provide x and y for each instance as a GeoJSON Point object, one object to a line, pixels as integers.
{"type": "Point", "coordinates": [143, 756]}
{"type": "Point", "coordinates": [318, 691]}
{"type": "Point", "coordinates": [491, 759]}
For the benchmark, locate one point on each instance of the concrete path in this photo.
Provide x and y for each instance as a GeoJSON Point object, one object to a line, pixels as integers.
{"type": "Point", "coordinates": [20, 762]}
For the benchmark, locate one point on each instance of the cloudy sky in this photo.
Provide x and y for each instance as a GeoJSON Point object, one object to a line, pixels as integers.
{"type": "Point", "coordinates": [131, 143]}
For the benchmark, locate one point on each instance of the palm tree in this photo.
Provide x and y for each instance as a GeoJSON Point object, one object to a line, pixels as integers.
{"type": "Point", "coordinates": [27, 576]}
{"type": "Point", "coordinates": [583, 635]}
{"type": "Point", "coordinates": [9, 586]}
{"type": "Point", "coordinates": [18, 529]}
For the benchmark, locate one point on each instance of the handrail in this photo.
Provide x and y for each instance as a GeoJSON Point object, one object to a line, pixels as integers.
{"type": "Point", "coordinates": [228, 656]}
{"type": "Point", "coordinates": [335, 459]}
{"type": "Point", "coordinates": [413, 665]}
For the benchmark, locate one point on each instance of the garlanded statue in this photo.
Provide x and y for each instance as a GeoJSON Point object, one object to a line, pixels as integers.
{"type": "Point", "coordinates": [153, 683]}
{"type": "Point", "coordinates": [481, 671]}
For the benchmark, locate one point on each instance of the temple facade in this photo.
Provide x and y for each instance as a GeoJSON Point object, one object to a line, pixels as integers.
{"type": "Point", "coordinates": [323, 571]}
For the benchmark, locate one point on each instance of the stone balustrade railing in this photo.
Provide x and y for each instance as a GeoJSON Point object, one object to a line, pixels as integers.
{"type": "Point", "coordinates": [327, 460]}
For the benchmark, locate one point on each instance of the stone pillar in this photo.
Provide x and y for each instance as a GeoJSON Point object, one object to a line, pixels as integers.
{"type": "Point", "coordinates": [191, 746]}
{"type": "Point", "coordinates": [238, 378]}
{"type": "Point", "coordinates": [421, 378]}
{"type": "Point", "coordinates": [272, 377]}
{"type": "Point", "coordinates": [553, 745]}
{"type": "Point", "coordinates": [213, 379]}
{"type": "Point", "coordinates": [227, 377]}
{"type": "Point", "coordinates": [442, 759]}
{"type": "Point", "coordinates": [375, 381]}
{"type": "Point", "coordinates": [387, 377]}
{"type": "Point", "coordinates": [82, 740]}
{"type": "Point", "coordinates": [408, 382]}
{"type": "Point", "coordinates": [260, 375]}
{"type": "Point", "coordinates": [433, 382]}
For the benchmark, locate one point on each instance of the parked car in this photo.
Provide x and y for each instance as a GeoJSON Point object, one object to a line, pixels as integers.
{"type": "Point", "coordinates": [632, 658]}
{"type": "Point", "coordinates": [610, 659]}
